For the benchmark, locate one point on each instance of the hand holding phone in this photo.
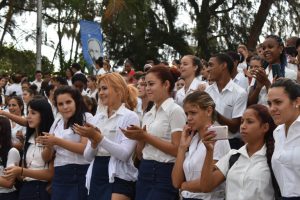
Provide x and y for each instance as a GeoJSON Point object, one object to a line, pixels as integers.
{"type": "Point", "coordinates": [220, 131]}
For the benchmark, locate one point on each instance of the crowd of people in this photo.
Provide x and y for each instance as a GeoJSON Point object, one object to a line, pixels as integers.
{"type": "Point", "coordinates": [152, 134]}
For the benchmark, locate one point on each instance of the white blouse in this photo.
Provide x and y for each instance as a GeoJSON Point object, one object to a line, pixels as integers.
{"type": "Point", "coordinates": [13, 159]}
{"type": "Point", "coordinates": [162, 122]}
{"type": "Point", "coordinates": [63, 156]}
{"type": "Point", "coordinates": [14, 130]}
{"type": "Point", "coordinates": [114, 144]}
{"type": "Point", "coordinates": [34, 159]}
{"type": "Point", "coordinates": [193, 164]}
{"type": "Point", "coordinates": [249, 178]}
{"type": "Point", "coordinates": [286, 159]}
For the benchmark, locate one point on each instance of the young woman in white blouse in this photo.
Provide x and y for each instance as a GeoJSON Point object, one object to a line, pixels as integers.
{"type": "Point", "coordinates": [111, 174]}
{"type": "Point", "coordinates": [284, 106]}
{"type": "Point", "coordinates": [35, 171]}
{"type": "Point", "coordinates": [70, 166]}
{"type": "Point", "coordinates": [247, 171]}
{"type": "Point", "coordinates": [9, 156]}
{"type": "Point", "coordinates": [160, 136]}
{"type": "Point", "coordinates": [200, 110]}
{"type": "Point", "coordinates": [190, 67]}
{"type": "Point", "coordinates": [16, 107]}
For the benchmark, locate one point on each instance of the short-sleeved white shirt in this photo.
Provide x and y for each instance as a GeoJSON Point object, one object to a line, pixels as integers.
{"type": "Point", "coordinates": [13, 159]}
{"type": "Point", "coordinates": [286, 159]}
{"type": "Point", "coordinates": [162, 122]}
{"type": "Point", "coordinates": [193, 163]}
{"type": "Point", "coordinates": [231, 102]}
{"type": "Point", "coordinates": [181, 94]}
{"type": "Point", "coordinates": [14, 131]}
{"type": "Point", "coordinates": [241, 80]}
{"type": "Point", "coordinates": [63, 156]}
{"type": "Point", "coordinates": [34, 159]}
{"type": "Point", "coordinates": [15, 87]}
{"type": "Point", "coordinates": [249, 178]}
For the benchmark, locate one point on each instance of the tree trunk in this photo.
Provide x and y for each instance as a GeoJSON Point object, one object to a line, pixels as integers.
{"type": "Point", "coordinates": [259, 20]}
{"type": "Point", "coordinates": [8, 20]}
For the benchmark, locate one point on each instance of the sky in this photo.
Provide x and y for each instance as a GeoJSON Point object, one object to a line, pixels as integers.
{"type": "Point", "coordinates": [25, 35]}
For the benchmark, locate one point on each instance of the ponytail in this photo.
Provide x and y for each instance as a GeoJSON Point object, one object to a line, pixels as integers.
{"type": "Point", "coordinates": [131, 97]}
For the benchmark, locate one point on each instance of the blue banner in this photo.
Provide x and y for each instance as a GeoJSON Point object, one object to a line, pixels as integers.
{"type": "Point", "coordinates": [91, 41]}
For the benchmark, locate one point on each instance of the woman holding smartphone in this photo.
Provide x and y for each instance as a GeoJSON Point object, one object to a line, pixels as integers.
{"type": "Point", "coordinates": [247, 171]}
{"type": "Point", "coordinates": [200, 110]}
{"type": "Point", "coordinates": [274, 55]}
{"type": "Point", "coordinates": [9, 156]}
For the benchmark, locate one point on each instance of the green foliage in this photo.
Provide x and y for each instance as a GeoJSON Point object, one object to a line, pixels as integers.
{"type": "Point", "coordinates": [24, 62]}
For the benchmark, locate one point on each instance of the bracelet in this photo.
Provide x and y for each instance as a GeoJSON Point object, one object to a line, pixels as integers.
{"type": "Point", "coordinates": [22, 172]}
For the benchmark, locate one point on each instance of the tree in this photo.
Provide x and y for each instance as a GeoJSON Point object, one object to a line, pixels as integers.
{"type": "Point", "coordinates": [24, 62]}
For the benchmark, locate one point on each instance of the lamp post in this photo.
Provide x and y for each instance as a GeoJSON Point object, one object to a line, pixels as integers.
{"type": "Point", "coordinates": [39, 36]}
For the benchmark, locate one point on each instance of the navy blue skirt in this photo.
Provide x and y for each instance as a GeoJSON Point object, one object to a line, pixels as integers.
{"type": "Point", "coordinates": [290, 198]}
{"type": "Point", "coordinates": [34, 190]}
{"type": "Point", "coordinates": [69, 182]}
{"type": "Point", "coordinates": [155, 182]}
{"type": "Point", "coordinates": [9, 196]}
{"type": "Point", "coordinates": [100, 188]}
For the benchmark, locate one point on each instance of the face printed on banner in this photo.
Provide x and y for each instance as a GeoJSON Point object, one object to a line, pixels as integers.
{"type": "Point", "coordinates": [94, 49]}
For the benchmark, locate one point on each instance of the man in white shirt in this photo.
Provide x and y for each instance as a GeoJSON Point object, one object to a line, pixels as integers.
{"type": "Point", "coordinates": [38, 79]}
{"type": "Point", "coordinates": [76, 68]}
{"type": "Point", "coordinates": [238, 77]}
{"type": "Point", "coordinates": [230, 99]}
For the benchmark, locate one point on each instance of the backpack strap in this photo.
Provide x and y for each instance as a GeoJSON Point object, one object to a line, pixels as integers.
{"type": "Point", "coordinates": [233, 158]}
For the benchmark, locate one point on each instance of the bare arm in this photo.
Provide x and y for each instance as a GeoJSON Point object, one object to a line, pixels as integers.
{"type": "Point", "coordinates": [233, 124]}
{"type": "Point", "coordinates": [165, 146]}
{"type": "Point", "coordinates": [16, 118]}
{"type": "Point", "coordinates": [178, 176]}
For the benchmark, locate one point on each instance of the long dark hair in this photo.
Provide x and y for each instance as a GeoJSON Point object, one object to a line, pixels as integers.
{"type": "Point", "coordinates": [41, 106]}
{"type": "Point", "coordinates": [5, 139]}
{"type": "Point", "coordinates": [265, 117]}
{"type": "Point", "coordinates": [79, 115]}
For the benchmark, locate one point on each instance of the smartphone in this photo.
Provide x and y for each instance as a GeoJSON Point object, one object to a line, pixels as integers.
{"type": "Point", "coordinates": [276, 71]}
{"type": "Point", "coordinates": [221, 132]}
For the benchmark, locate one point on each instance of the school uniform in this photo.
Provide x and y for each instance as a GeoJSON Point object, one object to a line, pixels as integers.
{"type": "Point", "coordinates": [193, 164]}
{"type": "Point", "coordinates": [231, 102]}
{"type": "Point", "coordinates": [154, 180]}
{"type": "Point", "coordinates": [249, 178]}
{"type": "Point", "coordinates": [286, 159]}
{"type": "Point", "coordinates": [112, 169]}
{"type": "Point", "coordinates": [13, 159]}
{"type": "Point", "coordinates": [34, 189]}
{"type": "Point", "coordinates": [181, 94]}
{"type": "Point", "coordinates": [69, 168]}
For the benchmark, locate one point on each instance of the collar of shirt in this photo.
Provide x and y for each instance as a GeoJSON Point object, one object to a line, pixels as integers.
{"type": "Point", "coordinates": [120, 111]}
{"type": "Point", "coordinates": [261, 152]}
{"type": "Point", "coordinates": [292, 132]}
{"type": "Point", "coordinates": [164, 106]}
{"type": "Point", "coordinates": [229, 86]}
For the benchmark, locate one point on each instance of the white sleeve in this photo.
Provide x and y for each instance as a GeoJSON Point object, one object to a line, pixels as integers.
{"type": "Point", "coordinates": [223, 163]}
{"type": "Point", "coordinates": [124, 147]}
{"type": "Point", "coordinates": [222, 147]}
{"type": "Point", "coordinates": [89, 153]}
{"type": "Point", "coordinates": [240, 105]}
{"type": "Point", "coordinates": [177, 119]}
{"type": "Point", "coordinates": [13, 157]}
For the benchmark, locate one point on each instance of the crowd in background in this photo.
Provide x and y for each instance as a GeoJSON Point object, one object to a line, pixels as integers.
{"type": "Point", "coordinates": [151, 134]}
